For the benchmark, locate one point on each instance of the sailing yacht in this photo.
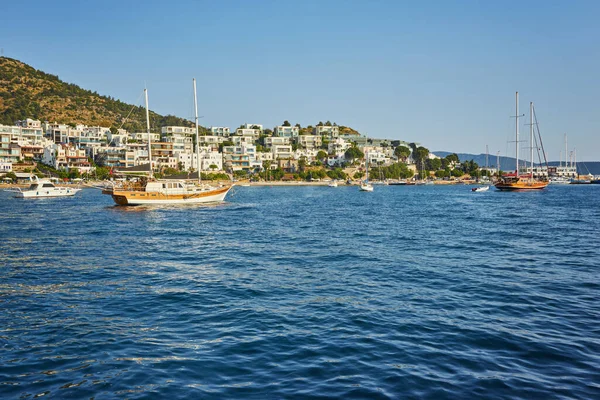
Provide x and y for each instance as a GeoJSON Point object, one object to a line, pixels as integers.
{"type": "Point", "coordinates": [516, 181]}
{"type": "Point", "coordinates": [150, 191]}
{"type": "Point", "coordinates": [365, 186]}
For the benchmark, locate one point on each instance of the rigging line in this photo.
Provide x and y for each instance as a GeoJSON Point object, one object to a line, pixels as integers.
{"type": "Point", "coordinates": [132, 108]}
{"type": "Point", "coordinates": [537, 127]}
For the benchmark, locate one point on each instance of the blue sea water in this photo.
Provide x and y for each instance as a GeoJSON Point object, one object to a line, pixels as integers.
{"type": "Point", "coordinates": [304, 292]}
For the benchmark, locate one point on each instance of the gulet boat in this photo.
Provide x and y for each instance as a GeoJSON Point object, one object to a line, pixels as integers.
{"type": "Point", "coordinates": [516, 181]}
{"type": "Point", "coordinates": [149, 191]}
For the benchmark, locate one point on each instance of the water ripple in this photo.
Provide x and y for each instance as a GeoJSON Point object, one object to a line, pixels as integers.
{"type": "Point", "coordinates": [306, 292]}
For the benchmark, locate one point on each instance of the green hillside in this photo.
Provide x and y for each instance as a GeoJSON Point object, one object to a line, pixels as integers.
{"type": "Point", "coordinates": [29, 93]}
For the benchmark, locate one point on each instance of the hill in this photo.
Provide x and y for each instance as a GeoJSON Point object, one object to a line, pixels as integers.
{"type": "Point", "coordinates": [29, 93]}
{"type": "Point", "coordinates": [508, 163]}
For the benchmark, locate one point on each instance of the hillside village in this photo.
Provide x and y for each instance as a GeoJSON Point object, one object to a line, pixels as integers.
{"type": "Point", "coordinates": [59, 128]}
{"type": "Point", "coordinates": [284, 152]}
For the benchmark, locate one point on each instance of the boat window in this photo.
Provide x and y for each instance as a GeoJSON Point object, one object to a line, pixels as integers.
{"type": "Point", "coordinates": [48, 185]}
{"type": "Point", "coordinates": [164, 185]}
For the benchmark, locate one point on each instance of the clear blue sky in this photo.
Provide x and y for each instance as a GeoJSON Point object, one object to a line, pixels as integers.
{"type": "Point", "coordinates": [442, 73]}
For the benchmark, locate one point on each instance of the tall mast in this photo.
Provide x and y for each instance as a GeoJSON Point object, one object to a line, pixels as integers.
{"type": "Point", "coordinates": [566, 152]}
{"type": "Point", "coordinates": [517, 131]}
{"type": "Point", "coordinates": [199, 162]}
{"type": "Point", "coordinates": [498, 162]}
{"type": "Point", "coordinates": [487, 152]}
{"type": "Point", "coordinates": [531, 134]}
{"type": "Point", "coordinates": [148, 130]}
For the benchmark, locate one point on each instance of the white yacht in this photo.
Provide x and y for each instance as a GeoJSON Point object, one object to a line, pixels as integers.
{"type": "Point", "coordinates": [45, 188]}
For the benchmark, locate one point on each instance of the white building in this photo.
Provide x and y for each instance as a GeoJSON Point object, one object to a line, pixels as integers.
{"type": "Point", "coordinates": [222, 131]}
{"type": "Point", "coordinates": [310, 142]}
{"type": "Point", "coordinates": [252, 130]}
{"type": "Point", "coordinates": [182, 143]}
{"type": "Point", "coordinates": [143, 137]}
{"type": "Point", "coordinates": [287, 131]}
{"type": "Point", "coordinates": [242, 157]}
{"type": "Point", "coordinates": [310, 155]}
{"type": "Point", "coordinates": [271, 141]}
{"type": "Point", "coordinates": [208, 157]}
{"type": "Point", "coordinates": [338, 147]}
{"type": "Point", "coordinates": [282, 152]}
{"type": "Point", "coordinates": [213, 141]}
{"type": "Point", "coordinates": [331, 132]}
{"type": "Point", "coordinates": [66, 157]}
{"type": "Point", "coordinates": [184, 130]}
{"type": "Point", "coordinates": [237, 140]}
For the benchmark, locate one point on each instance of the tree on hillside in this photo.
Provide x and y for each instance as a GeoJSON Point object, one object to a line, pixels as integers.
{"type": "Point", "coordinates": [321, 155]}
{"type": "Point", "coordinates": [286, 123]}
{"type": "Point", "coordinates": [353, 153]}
{"type": "Point", "coordinates": [452, 158]}
{"type": "Point", "coordinates": [402, 152]}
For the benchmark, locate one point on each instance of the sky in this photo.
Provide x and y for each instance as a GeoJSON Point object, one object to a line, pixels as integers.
{"type": "Point", "coordinates": [440, 73]}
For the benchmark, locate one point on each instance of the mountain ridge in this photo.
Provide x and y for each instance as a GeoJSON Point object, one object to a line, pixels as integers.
{"type": "Point", "coordinates": [508, 163]}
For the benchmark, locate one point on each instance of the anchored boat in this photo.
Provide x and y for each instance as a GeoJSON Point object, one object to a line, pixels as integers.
{"type": "Point", "coordinates": [148, 191]}
{"type": "Point", "coordinates": [516, 181]}
{"type": "Point", "coordinates": [45, 188]}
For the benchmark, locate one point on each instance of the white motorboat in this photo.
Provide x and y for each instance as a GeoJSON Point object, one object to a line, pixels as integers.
{"type": "Point", "coordinates": [333, 184]}
{"type": "Point", "coordinates": [480, 189]}
{"type": "Point", "coordinates": [45, 188]}
{"type": "Point", "coordinates": [560, 180]}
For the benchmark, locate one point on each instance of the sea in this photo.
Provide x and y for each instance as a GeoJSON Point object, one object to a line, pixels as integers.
{"type": "Point", "coordinates": [304, 292]}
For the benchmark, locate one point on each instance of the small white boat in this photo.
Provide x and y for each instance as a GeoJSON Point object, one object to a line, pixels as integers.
{"type": "Point", "coordinates": [480, 189]}
{"type": "Point", "coordinates": [333, 184]}
{"type": "Point", "coordinates": [366, 187]}
{"type": "Point", "coordinates": [45, 188]}
{"type": "Point", "coordinates": [560, 180]}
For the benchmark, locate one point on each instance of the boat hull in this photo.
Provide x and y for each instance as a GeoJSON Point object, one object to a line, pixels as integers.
{"type": "Point", "coordinates": [521, 186]}
{"type": "Point", "coordinates": [55, 192]}
{"type": "Point", "coordinates": [139, 198]}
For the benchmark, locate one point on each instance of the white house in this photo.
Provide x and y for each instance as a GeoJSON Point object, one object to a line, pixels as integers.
{"type": "Point", "coordinates": [282, 152]}
{"type": "Point", "coordinates": [271, 141]}
{"type": "Point", "coordinates": [310, 141]}
{"type": "Point", "coordinates": [332, 132]}
{"type": "Point", "coordinates": [287, 131]}
{"type": "Point", "coordinates": [222, 131]}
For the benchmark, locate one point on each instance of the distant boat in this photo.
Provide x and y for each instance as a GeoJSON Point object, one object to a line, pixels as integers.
{"type": "Point", "coordinates": [516, 181]}
{"type": "Point", "coordinates": [398, 183]}
{"type": "Point", "coordinates": [559, 180]}
{"type": "Point", "coordinates": [480, 189]}
{"type": "Point", "coordinates": [365, 186]}
{"type": "Point", "coordinates": [333, 184]}
{"type": "Point", "coordinates": [45, 188]}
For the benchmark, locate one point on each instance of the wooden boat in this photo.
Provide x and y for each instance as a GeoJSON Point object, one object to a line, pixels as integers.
{"type": "Point", "coordinates": [165, 192]}
{"type": "Point", "coordinates": [149, 191]}
{"type": "Point", "coordinates": [516, 181]}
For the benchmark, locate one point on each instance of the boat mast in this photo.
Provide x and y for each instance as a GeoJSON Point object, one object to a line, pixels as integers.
{"type": "Point", "coordinates": [517, 131]}
{"type": "Point", "coordinates": [199, 162]}
{"type": "Point", "coordinates": [367, 166]}
{"type": "Point", "coordinates": [149, 135]}
{"type": "Point", "coordinates": [531, 135]}
{"type": "Point", "coordinates": [566, 154]}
